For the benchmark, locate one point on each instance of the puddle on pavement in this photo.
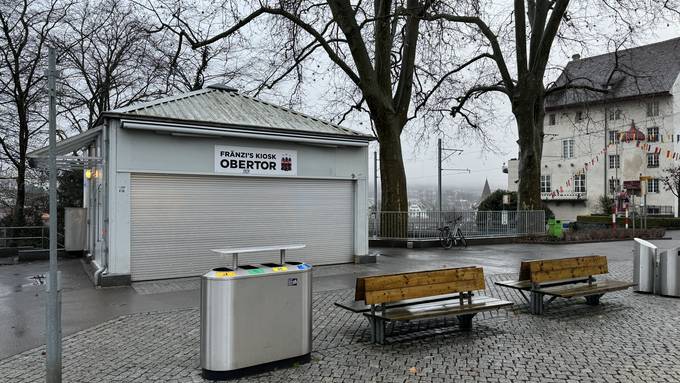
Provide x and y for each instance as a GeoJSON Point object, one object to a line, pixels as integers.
{"type": "Point", "coordinates": [36, 280]}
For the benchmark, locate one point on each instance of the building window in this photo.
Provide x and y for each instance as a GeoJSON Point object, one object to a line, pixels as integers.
{"type": "Point", "coordinates": [614, 161]}
{"type": "Point", "coordinates": [652, 108]}
{"type": "Point", "coordinates": [614, 185]}
{"type": "Point", "coordinates": [653, 134]}
{"type": "Point", "coordinates": [568, 148]}
{"type": "Point", "coordinates": [615, 114]}
{"type": "Point", "coordinates": [552, 120]}
{"type": "Point", "coordinates": [580, 183]}
{"type": "Point", "coordinates": [652, 160]}
{"type": "Point", "coordinates": [579, 116]}
{"type": "Point", "coordinates": [545, 184]}
{"type": "Point", "coordinates": [614, 137]}
{"type": "Point", "coordinates": [653, 185]}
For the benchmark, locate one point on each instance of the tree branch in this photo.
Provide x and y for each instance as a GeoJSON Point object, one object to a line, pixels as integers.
{"type": "Point", "coordinates": [475, 92]}
{"type": "Point", "coordinates": [281, 12]}
{"type": "Point", "coordinates": [429, 94]}
{"type": "Point", "coordinates": [490, 36]}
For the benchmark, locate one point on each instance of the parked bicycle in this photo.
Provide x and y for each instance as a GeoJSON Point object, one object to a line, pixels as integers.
{"type": "Point", "coordinates": [449, 237]}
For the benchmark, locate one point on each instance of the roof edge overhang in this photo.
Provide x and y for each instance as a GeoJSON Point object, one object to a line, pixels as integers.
{"type": "Point", "coordinates": [245, 128]}
{"type": "Point", "coordinates": [552, 108]}
{"type": "Point", "coordinates": [38, 158]}
{"type": "Point", "coordinates": [220, 130]}
{"type": "Point", "coordinates": [70, 144]}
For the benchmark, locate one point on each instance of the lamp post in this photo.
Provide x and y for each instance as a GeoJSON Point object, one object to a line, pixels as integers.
{"type": "Point", "coordinates": [53, 373]}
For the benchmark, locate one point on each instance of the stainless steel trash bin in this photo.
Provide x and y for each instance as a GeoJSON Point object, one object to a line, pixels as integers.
{"type": "Point", "coordinates": [669, 272]}
{"type": "Point", "coordinates": [644, 258]}
{"type": "Point", "coordinates": [255, 317]}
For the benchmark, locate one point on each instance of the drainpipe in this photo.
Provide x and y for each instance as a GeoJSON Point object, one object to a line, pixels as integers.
{"type": "Point", "coordinates": [107, 192]}
{"type": "Point", "coordinates": [104, 268]}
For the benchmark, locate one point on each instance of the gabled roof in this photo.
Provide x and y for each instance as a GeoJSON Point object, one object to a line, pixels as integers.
{"type": "Point", "coordinates": [486, 191]}
{"type": "Point", "coordinates": [648, 70]}
{"type": "Point", "coordinates": [222, 106]}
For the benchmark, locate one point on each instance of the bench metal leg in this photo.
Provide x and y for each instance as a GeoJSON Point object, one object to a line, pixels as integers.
{"type": "Point", "coordinates": [593, 300]}
{"type": "Point", "coordinates": [465, 321]}
{"type": "Point", "coordinates": [536, 303]}
{"type": "Point", "coordinates": [380, 330]}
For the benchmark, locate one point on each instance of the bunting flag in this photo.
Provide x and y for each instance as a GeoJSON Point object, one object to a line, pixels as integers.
{"type": "Point", "coordinates": [643, 146]}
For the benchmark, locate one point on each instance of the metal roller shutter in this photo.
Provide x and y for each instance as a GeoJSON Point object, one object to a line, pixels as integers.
{"type": "Point", "coordinates": [176, 220]}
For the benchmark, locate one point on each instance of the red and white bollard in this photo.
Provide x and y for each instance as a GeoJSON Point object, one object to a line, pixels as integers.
{"type": "Point", "coordinates": [626, 218]}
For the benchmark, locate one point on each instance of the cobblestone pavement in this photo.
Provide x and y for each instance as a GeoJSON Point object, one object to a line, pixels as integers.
{"type": "Point", "coordinates": [630, 338]}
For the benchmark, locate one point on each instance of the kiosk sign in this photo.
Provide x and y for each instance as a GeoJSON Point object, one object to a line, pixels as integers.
{"type": "Point", "coordinates": [255, 161]}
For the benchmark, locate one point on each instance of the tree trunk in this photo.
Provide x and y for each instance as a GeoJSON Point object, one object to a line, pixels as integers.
{"type": "Point", "coordinates": [392, 174]}
{"type": "Point", "coordinates": [530, 129]}
{"type": "Point", "coordinates": [394, 204]}
{"type": "Point", "coordinates": [20, 202]}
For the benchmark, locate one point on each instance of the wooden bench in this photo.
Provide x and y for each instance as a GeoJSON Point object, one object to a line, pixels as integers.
{"type": "Point", "coordinates": [421, 295]}
{"type": "Point", "coordinates": [563, 278]}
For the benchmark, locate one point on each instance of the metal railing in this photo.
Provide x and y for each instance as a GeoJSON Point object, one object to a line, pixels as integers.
{"type": "Point", "coordinates": [565, 196]}
{"type": "Point", "coordinates": [474, 224]}
{"type": "Point", "coordinates": [28, 236]}
{"type": "Point", "coordinates": [660, 210]}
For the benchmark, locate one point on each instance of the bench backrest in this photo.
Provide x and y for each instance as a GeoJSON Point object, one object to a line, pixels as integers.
{"type": "Point", "coordinates": [397, 287]}
{"type": "Point", "coordinates": [550, 270]}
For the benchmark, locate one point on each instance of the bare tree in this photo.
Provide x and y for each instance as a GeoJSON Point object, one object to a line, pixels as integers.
{"type": "Point", "coordinates": [671, 180]}
{"type": "Point", "coordinates": [25, 28]}
{"type": "Point", "coordinates": [538, 25]}
{"type": "Point", "coordinates": [186, 68]}
{"type": "Point", "coordinates": [109, 61]}
{"type": "Point", "coordinates": [381, 47]}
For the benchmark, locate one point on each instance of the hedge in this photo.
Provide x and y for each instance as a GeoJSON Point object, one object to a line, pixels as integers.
{"type": "Point", "coordinates": [652, 221]}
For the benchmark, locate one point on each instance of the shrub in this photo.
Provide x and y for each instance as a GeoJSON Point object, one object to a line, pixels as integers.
{"type": "Point", "coordinates": [606, 220]}
{"type": "Point", "coordinates": [605, 205]}
{"type": "Point", "coordinates": [494, 202]}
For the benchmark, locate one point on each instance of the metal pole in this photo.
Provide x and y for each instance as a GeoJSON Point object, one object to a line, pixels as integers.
{"type": "Point", "coordinates": [375, 180]}
{"type": "Point", "coordinates": [54, 295]}
{"type": "Point", "coordinates": [439, 175]}
{"type": "Point", "coordinates": [606, 152]}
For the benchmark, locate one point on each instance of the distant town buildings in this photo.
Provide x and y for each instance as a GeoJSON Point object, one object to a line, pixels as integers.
{"type": "Point", "coordinates": [621, 121]}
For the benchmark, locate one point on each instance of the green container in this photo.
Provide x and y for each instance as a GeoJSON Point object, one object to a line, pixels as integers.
{"type": "Point", "coordinates": [555, 228]}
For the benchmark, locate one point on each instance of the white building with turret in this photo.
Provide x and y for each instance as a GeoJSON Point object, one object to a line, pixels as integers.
{"type": "Point", "coordinates": [603, 139]}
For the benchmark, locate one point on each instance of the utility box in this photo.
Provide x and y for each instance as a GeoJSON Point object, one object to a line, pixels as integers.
{"type": "Point", "coordinates": [656, 270]}
{"type": "Point", "coordinates": [75, 229]}
{"type": "Point", "coordinates": [254, 318]}
{"type": "Point", "coordinates": [669, 272]}
{"type": "Point", "coordinates": [644, 258]}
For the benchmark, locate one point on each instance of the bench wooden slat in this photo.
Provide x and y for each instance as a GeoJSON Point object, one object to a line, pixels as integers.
{"type": "Point", "coordinates": [568, 263]}
{"type": "Point", "coordinates": [583, 290]}
{"type": "Point", "coordinates": [526, 284]}
{"type": "Point", "coordinates": [442, 310]}
{"type": "Point", "coordinates": [573, 273]}
{"type": "Point", "coordinates": [360, 285]}
{"type": "Point", "coordinates": [360, 290]}
{"type": "Point", "coordinates": [399, 294]}
{"type": "Point", "coordinates": [547, 270]}
{"type": "Point", "coordinates": [361, 307]}
{"type": "Point", "coordinates": [387, 282]}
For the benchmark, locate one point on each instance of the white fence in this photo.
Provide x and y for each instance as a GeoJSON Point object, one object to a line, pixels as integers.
{"type": "Point", "coordinates": [474, 224]}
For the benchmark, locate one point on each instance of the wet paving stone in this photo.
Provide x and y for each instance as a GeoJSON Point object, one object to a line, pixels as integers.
{"type": "Point", "coordinates": [628, 338]}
